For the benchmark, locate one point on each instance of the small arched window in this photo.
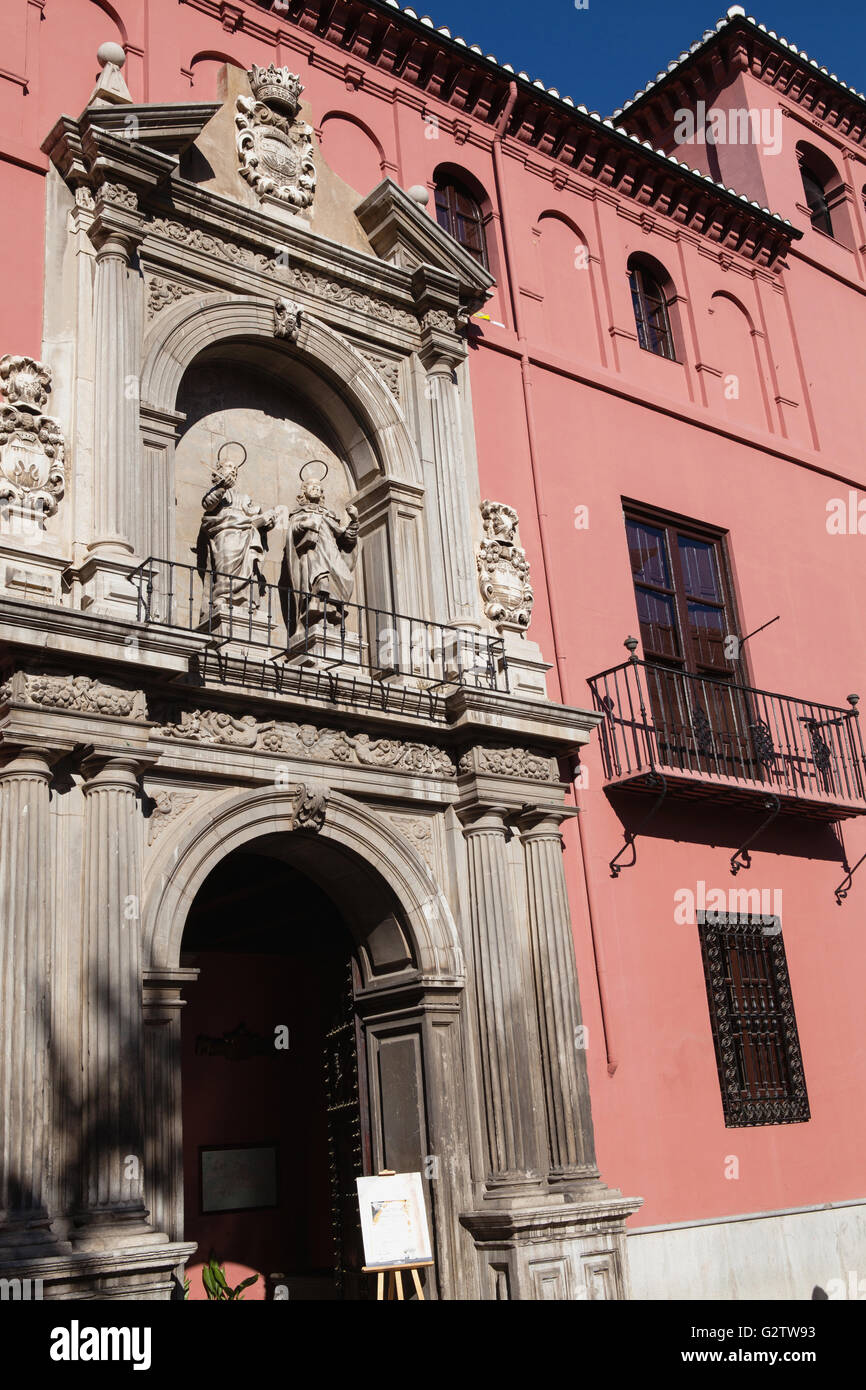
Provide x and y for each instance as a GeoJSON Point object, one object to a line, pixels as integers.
{"type": "Point", "coordinates": [458, 213]}
{"type": "Point", "coordinates": [651, 312]}
{"type": "Point", "coordinates": [816, 200]}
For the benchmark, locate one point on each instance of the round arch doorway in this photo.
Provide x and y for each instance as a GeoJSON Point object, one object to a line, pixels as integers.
{"type": "Point", "coordinates": [274, 1119]}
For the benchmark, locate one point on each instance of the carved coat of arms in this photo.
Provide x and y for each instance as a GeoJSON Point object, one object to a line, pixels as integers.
{"type": "Point", "coordinates": [503, 569]}
{"type": "Point", "coordinates": [32, 467]}
{"type": "Point", "coordinates": [275, 148]}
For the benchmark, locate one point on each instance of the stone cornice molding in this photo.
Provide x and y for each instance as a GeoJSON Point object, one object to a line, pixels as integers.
{"type": "Point", "coordinates": [549, 127]}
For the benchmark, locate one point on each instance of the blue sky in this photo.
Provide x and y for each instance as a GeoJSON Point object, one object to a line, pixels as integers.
{"type": "Point", "coordinates": [601, 55]}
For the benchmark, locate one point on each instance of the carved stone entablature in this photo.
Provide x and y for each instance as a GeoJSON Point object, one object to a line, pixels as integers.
{"type": "Point", "coordinates": [503, 569]}
{"type": "Point", "coordinates": [82, 694]}
{"type": "Point", "coordinates": [509, 762]}
{"type": "Point", "coordinates": [318, 286]}
{"type": "Point", "coordinates": [275, 148]}
{"type": "Point", "coordinates": [161, 293]}
{"type": "Point", "coordinates": [323, 287]}
{"type": "Point", "coordinates": [308, 741]}
{"type": "Point", "coordinates": [439, 319]}
{"type": "Point", "coordinates": [287, 319]}
{"type": "Point", "coordinates": [119, 195]}
{"type": "Point", "coordinates": [32, 453]}
{"type": "Point", "coordinates": [220, 247]}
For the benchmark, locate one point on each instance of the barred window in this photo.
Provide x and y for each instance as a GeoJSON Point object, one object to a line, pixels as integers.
{"type": "Point", "coordinates": [752, 1018]}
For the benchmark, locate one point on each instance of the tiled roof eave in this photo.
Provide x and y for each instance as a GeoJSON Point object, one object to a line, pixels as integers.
{"type": "Point", "coordinates": [736, 15]}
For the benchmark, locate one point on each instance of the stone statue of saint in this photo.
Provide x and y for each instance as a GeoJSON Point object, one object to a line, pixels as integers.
{"type": "Point", "coordinates": [321, 555]}
{"type": "Point", "coordinates": [231, 542]}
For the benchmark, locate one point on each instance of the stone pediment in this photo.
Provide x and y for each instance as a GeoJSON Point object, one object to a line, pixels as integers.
{"type": "Point", "coordinates": [171, 127]}
{"type": "Point", "coordinates": [404, 234]}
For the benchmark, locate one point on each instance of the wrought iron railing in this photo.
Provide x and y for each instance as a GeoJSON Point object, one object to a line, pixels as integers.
{"type": "Point", "coordinates": [660, 719]}
{"type": "Point", "coordinates": [285, 624]}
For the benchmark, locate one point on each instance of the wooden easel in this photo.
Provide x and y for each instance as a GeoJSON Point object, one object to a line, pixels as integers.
{"type": "Point", "coordinates": [395, 1274]}
{"type": "Point", "coordinates": [395, 1280]}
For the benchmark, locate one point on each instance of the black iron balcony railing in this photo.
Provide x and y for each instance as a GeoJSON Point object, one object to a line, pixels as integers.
{"type": "Point", "coordinates": [701, 730]}
{"type": "Point", "coordinates": [288, 627]}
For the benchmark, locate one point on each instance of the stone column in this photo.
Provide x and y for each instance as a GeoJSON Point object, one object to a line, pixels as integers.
{"type": "Point", "coordinates": [116, 232]}
{"type": "Point", "coordinates": [25, 1080]}
{"type": "Point", "coordinates": [111, 1205]}
{"type": "Point", "coordinates": [163, 1145]}
{"type": "Point", "coordinates": [452, 495]}
{"type": "Point", "coordinates": [512, 1099]}
{"type": "Point", "coordinates": [563, 1052]}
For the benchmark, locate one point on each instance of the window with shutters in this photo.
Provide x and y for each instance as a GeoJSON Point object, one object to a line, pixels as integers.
{"type": "Point", "coordinates": [752, 1017]}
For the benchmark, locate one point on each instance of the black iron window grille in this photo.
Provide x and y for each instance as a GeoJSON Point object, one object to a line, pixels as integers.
{"type": "Point", "coordinates": [752, 1016]}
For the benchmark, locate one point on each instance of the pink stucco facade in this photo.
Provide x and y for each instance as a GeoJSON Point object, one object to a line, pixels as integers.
{"type": "Point", "coordinates": [571, 413]}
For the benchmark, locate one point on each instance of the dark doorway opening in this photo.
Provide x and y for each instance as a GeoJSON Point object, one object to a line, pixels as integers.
{"type": "Point", "coordinates": [272, 1084]}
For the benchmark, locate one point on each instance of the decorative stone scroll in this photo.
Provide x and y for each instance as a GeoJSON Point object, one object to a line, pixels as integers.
{"type": "Point", "coordinates": [82, 694]}
{"type": "Point", "coordinates": [509, 762]}
{"type": "Point", "coordinates": [503, 569]}
{"type": "Point", "coordinates": [216, 727]}
{"type": "Point", "coordinates": [32, 454]}
{"type": "Point", "coordinates": [275, 148]}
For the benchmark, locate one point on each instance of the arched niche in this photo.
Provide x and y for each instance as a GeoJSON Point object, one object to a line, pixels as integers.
{"type": "Point", "coordinates": [352, 151]}
{"type": "Point", "coordinates": [740, 392]}
{"type": "Point", "coordinates": [569, 319]}
{"type": "Point", "coordinates": [326, 395]}
{"type": "Point", "coordinates": [259, 399]}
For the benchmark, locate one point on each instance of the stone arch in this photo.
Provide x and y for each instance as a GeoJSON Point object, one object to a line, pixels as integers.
{"type": "Point", "coordinates": [376, 437]}
{"type": "Point", "coordinates": [352, 835]}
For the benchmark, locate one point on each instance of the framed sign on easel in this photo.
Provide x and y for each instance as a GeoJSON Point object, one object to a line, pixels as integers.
{"type": "Point", "coordinates": [395, 1231]}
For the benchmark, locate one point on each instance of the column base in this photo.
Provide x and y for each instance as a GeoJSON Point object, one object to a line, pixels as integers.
{"type": "Point", "coordinates": [114, 1230]}
{"type": "Point", "coordinates": [566, 1252]}
{"type": "Point", "coordinates": [150, 1274]}
{"type": "Point", "coordinates": [25, 1239]}
{"type": "Point", "coordinates": [106, 586]}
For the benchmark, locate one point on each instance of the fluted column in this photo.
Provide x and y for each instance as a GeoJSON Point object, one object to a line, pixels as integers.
{"type": "Point", "coordinates": [25, 1085]}
{"type": "Point", "coordinates": [563, 1052]}
{"type": "Point", "coordinates": [452, 495]}
{"type": "Point", "coordinates": [116, 232]}
{"type": "Point", "coordinates": [111, 1207]}
{"type": "Point", "coordinates": [511, 1099]}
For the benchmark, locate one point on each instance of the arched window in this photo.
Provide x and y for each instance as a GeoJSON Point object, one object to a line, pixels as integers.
{"type": "Point", "coordinates": [651, 311]}
{"type": "Point", "coordinates": [816, 199]}
{"type": "Point", "coordinates": [825, 194]}
{"type": "Point", "coordinates": [459, 213]}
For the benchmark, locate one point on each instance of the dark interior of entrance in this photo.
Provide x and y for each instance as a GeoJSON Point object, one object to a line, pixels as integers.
{"type": "Point", "coordinates": [273, 1138]}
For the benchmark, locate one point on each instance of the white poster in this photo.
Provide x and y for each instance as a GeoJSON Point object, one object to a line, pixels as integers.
{"type": "Point", "coordinates": [394, 1221]}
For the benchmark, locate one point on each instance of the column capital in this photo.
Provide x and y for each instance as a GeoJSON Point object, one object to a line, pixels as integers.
{"type": "Point", "coordinates": [27, 760]}
{"type": "Point", "coordinates": [118, 224]}
{"type": "Point", "coordinates": [479, 818]}
{"type": "Point", "coordinates": [542, 822]}
{"type": "Point", "coordinates": [118, 771]}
